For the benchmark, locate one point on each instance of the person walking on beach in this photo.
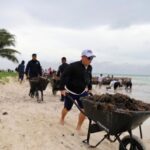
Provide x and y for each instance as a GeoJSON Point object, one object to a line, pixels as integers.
{"type": "Point", "coordinates": [60, 71]}
{"type": "Point", "coordinates": [33, 69]}
{"type": "Point", "coordinates": [21, 70]}
{"type": "Point", "coordinates": [100, 80]}
{"type": "Point", "coordinates": [76, 81]}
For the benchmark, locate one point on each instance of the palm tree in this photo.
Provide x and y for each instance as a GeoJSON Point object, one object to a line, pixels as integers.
{"type": "Point", "coordinates": [7, 40]}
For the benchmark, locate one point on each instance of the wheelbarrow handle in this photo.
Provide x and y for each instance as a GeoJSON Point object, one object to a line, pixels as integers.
{"type": "Point", "coordinates": [70, 98]}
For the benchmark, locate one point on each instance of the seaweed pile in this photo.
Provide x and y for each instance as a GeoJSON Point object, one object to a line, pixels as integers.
{"type": "Point", "coordinates": [118, 102]}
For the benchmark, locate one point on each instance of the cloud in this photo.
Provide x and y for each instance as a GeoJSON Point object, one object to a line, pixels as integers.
{"type": "Point", "coordinates": [78, 14]}
{"type": "Point", "coordinates": [87, 13]}
{"type": "Point", "coordinates": [130, 45]}
{"type": "Point", "coordinates": [117, 31]}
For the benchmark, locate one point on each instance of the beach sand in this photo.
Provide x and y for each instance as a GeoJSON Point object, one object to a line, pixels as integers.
{"type": "Point", "coordinates": [28, 125]}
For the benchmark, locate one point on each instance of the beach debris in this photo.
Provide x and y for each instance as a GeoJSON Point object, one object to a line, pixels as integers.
{"type": "Point", "coordinates": [50, 125]}
{"type": "Point", "coordinates": [23, 135]}
{"type": "Point", "coordinates": [2, 82]}
{"type": "Point", "coordinates": [72, 134]}
{"type": "Point", "coordinates": [118, 101]}
{"type": "Point", "coordinates": [5, 113]}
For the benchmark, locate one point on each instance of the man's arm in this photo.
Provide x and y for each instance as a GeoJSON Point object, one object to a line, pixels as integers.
{"type": "Point", "coordinates": [19, 68]}
{"type": "Point", "coordinates": [90, 82]}
{"type": "Point", "coordinates": [64, 77]}
{"type": "Point", "coordinates": [40, 69]}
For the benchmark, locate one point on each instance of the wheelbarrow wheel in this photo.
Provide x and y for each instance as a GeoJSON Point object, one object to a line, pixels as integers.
{"type": "Point", "coordinates": [39, 96]}
{"type": "Point", "coordinates": [133, 143]}
{"type": "Point", "coordinates": [54, 92]}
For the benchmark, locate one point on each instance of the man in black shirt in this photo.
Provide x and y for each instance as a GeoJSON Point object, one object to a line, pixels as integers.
{"type": "Point", "coordinates": [77, 82]}
{"type": "Point", "coordinates": [33, 69]}
{"type": "Point", "coordinates": [60, 71]}
{"type": "Point", "coordinates": [62, 67]}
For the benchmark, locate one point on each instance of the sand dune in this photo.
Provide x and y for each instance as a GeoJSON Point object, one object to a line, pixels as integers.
{"type": "Point", "coordinates": [28, 125]}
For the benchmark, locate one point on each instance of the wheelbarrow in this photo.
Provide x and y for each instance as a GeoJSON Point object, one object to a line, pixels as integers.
{"type": "Point", "coordinates": [38, 84]}
{"type": "Point", "coordinates": [114, 123]}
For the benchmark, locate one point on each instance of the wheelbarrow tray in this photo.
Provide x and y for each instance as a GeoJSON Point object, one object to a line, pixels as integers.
{"type": "Point", "coordinates": [39, 82]}
{"type": "Point", "coordinates": [56, 85]}
{"type": "Point", "coordinates": [114, 121]}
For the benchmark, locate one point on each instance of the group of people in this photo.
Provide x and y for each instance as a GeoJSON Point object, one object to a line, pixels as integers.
{"type": "Point", "coordinates": [33, 69]}
{"type": "Point", "coordinates": [118, 83]}
{"type": "Point", "coordinates": [114, 82]}
{"type": "Point", "coordinates": [75, 80]}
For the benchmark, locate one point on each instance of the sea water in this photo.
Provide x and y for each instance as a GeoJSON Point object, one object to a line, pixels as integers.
{"type": "Point", "coordinates": [140, 87]}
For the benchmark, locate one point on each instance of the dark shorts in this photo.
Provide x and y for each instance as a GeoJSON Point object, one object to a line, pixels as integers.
{"type": "Point", "coordinates": [68, 103]}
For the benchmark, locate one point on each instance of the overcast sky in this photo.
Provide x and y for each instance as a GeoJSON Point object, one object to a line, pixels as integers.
{"type": "Point", "coordinates": [118, 32]}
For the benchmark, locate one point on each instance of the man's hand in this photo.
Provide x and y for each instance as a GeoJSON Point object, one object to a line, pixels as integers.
{"type": "Point", "coordinates": [63, 92]}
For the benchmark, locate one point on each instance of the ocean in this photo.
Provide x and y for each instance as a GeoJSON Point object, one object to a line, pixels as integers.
{"type": "Point", "coordinates": [140, 87]}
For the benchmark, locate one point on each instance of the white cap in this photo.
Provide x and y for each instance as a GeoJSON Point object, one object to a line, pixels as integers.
{"type": "Point", "coordinates": [88, 53]}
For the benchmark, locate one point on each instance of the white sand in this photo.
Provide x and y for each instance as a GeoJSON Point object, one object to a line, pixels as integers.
{"type": "Point", "coordinates": [35, 126]}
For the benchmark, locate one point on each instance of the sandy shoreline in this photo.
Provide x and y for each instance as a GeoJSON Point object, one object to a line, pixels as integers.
{"type": "Point", "coordinates": [29, 125]}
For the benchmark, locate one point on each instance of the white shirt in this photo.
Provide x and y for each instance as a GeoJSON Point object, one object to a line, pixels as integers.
{"type": "Point", "coordinates": [100, 79]}
{"type": "Point", "coordinates": [112, 83]}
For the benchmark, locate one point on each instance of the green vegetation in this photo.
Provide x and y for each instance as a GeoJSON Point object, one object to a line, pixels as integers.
{"type": "Point", "coordinates": [4, 76]}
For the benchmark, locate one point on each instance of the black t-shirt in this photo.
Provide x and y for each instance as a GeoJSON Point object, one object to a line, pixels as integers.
{"type": "Point", "coordinates": [61, 69]}
{"type": "Point", "coordinates": [33, 68]}
{"type": "Point", "coordinates": [76, 77]}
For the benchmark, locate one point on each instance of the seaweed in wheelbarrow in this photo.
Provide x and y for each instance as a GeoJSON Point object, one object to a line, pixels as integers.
{"type": "Point", "coordinates": [118, 101]}
{"type": "Point", "coordinates": [116, 114]}
{"type": "Point", "coordinates": [38, 84]}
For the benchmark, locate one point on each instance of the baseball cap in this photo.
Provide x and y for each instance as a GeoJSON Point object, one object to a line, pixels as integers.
{"type": "Point", "coordinates": [88, 53]}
